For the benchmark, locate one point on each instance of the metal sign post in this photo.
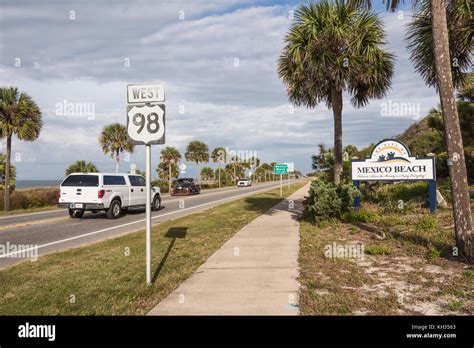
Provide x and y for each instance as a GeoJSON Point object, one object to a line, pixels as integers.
{"type": "Point", "coordinates": [290, 168]}
{"type": "Point", "coordinates": [146, 126]}
{"type": "Point", "coordinates": [148, 213]}
{"type": "Point", "coordinates": [280, 168]}
{"type": "Point", "coordinates": [281, 185]}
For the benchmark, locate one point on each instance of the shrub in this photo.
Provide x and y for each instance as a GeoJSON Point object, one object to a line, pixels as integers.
{"type": "Point", "coordinates": [469, 155]}
{"type": "Point", "coordinates": [384, 193]}
{"type": "Point", "coordinates": [31, 198]}
{"type": "Point", "coordinates": [361, 215]}
{"type": "Point", "coordinates": [442, 170]}
{"type": "Point", "coordinates": [162, 184]}
{"type": "Point", "coordinates": [397, 207]}
{"type": "Point", "coordinates": [327, 200]}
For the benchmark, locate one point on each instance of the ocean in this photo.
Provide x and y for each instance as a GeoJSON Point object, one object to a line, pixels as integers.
{"type": "Point", "coordinates": [36, 183]}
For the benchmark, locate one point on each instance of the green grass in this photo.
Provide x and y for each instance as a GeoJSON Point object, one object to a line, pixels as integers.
{"type": "Point", "coordinates": [377, 250]}
{"type": "Point", "coordinates": [103, 280]}
{"type": "Point", "coordinates": [427, 222]}
{"type": "Point", "coordinates": [455, 305]}
{"type": "Point", "coordinates": [327, 285]}
{"type": "Point", "coordinates": [434, 253]}
{"type": "Point", "coordinates": [361, 215]}
{"type": "Point", "coordinates": [413, 237]}
{"type": "Point", "coordinates": [344, 287]}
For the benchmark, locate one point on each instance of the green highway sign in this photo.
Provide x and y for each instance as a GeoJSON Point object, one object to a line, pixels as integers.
{"type": "Point", "coordinates": [280, 168]}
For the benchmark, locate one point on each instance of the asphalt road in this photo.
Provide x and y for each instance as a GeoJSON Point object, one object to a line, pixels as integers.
{"type": "Point", "coordinates": [53, 231]}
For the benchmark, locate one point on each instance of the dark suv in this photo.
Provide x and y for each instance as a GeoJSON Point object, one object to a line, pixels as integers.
{"type": "Point", "coordinates": [184, 186]}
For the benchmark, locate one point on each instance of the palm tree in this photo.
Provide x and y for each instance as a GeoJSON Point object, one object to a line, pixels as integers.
{"type": "Point", "coordinates": [436, 35]}
{"type": "Point", "coordinates": [419, 36]}
{"type": "Point", "coordinates": [238, 167]}
{"type": "Point", "coordinates": [350, 151]}
{"type": "Point", "coordinates": [170, 155]}
{"type": "Point", "coordinates": [466, 93]}
{"type": "Point", "coordinates": [234, 160]}
{"type": "Point", "coordinates": [167, 171]}
{"type": "Point", "coordinates": [266, 169]}
{"type": "Point", "coordinates": [81, 166]}
{"type": "Point", "coordinates": [235, 170]}
{"type": "Point", "coordinates": [220, 172]}
{"type": "Point", "coordinates": [333, 48]}
{"type": "Point", "coordinates": [442, 58]}
{"type": "Point", "coordinates": [219, 156]}
{"type": "Point", "coordinates": [114, 140]}
{"type": "Point", "coordinates": [20, 116]}
{"type": "Point", "coordinates": [319, 160]}
{"type": "Point", "coordinates": [207, 173]}
{"type": "Point", "coordinates": [272, 170]}
{"type": "Point", "coordinates": [259, 172]}
{"type": "Point", "coordinates": [254, 163]}
{"type": "Point", "coordinates": [197, 152]}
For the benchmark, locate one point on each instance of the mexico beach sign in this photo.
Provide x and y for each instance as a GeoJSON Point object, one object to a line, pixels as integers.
{"type": "Point", "coordinates": [391, 160]}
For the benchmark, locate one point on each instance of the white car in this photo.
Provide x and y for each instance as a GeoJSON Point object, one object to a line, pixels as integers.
{"type": "Point", "coordinates": [113, 193]}
{"type": "Point", "coordinates": [244, 182]}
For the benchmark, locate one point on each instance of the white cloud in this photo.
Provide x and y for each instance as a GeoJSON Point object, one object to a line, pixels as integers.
{"type": "Point", "coordinates": [242, 107]}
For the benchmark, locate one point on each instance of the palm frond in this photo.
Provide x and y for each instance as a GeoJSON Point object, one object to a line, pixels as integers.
{"type": "Point", "coordinates": [460, 31]}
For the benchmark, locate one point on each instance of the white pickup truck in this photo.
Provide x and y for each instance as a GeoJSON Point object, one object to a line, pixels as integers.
{"type": "Point", "coordinates": [113, 193]}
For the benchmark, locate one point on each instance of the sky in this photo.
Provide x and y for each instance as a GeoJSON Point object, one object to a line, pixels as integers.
{"type": "Point", "coordinates": [218, 62]}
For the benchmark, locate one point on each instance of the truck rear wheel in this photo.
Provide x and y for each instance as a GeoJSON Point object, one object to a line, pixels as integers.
{"type": "Point", "coordinates": [115, 209]}
{"type": "Point", "coordinates": [76, 213]}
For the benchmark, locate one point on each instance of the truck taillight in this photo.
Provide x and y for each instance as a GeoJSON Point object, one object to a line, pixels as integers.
{"type": "Point", "coordinates": [101, 193]}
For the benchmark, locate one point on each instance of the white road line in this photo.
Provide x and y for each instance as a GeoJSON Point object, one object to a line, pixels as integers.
{"type": "Point", "coordinates": [127, 224]}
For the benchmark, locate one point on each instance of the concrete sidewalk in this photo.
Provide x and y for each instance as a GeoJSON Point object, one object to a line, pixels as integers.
{"type": "Point", "coordinates": [252, 273]}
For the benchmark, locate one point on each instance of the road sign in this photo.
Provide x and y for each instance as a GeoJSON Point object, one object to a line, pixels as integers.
{"type": "Point", "coordinates": [291, 166]}
{"type": "Point", "coordinates": [291, 169]}
{"type": "Point", "coordinates": [280, 168]}
{"type": "Point", "coordinates": [146, 124]}
{"type": "Point", "coordinates": [146, 93]}
{"type": "Point", "coordinates": [182, 168]}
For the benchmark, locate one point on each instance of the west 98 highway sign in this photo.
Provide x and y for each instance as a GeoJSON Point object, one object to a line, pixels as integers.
{"type": "Point", "coordinates": [146, 124]}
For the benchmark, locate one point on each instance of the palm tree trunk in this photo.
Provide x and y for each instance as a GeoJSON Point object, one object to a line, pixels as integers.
{"type": "Point", "coordinates": [117, 162]}
{"type": "Point", "coordinates": [7, 173]}
{"type": "Point", "coordinates": [453, 138]}
{"type": "Point", "coordinates": [169, 178]}
{"type": "Point", "coordinates": [198, 173]}
{"type": "Point", "coordinates": [219, 174]}
{"type": "Point", "coordinates": [234, 174]}
{"type": "Point", "coordinates": [336, 104]}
